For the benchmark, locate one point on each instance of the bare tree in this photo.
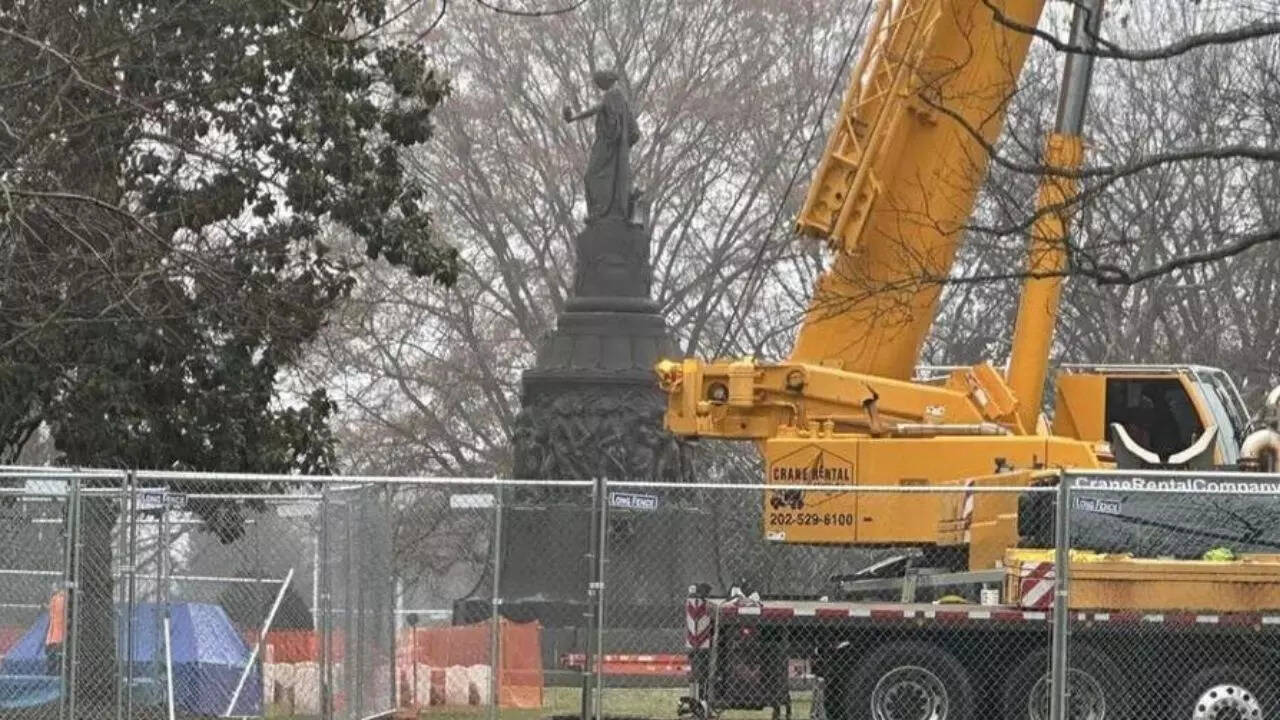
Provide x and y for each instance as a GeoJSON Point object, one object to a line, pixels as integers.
{"type": "Point", "coordinates": [1213, 312]}
{"type": "Point", "coordinates": [730, 107]}
{"type": "Point", "coordinates": [1172, 249]}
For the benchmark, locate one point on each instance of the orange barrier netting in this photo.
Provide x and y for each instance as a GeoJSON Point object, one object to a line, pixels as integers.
{"type": "Point", "coordinates": [295, 646]}
{"type": "Point", "coordinates": [57, 631]}
{"type": "Point", "coordinates": [520, 673]}
{"type": "Point", "coordinates": [520, 678]}
{"type": "Point", "coordinates": [520, 670]}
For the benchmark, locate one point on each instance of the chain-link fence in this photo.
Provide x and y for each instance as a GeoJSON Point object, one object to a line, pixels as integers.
{"type": "Point", "coordinates": [34, 567]}
{"type": "Point", "coordinates": [149, 595]}
{"type": "Point", "coordinates": [165, 595]}
{"type": "Point", "coordinates": [1156, 595]}
{"type": "Point", "coordinates": [1177, 584]}
{"type": "Point", "coordinates": [809, 603]}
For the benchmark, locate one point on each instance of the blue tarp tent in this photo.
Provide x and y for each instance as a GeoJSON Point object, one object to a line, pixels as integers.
{"type": "Point", "coordinates": [208, 657]}
{"type": "Point", "coordinates": [25, 675]}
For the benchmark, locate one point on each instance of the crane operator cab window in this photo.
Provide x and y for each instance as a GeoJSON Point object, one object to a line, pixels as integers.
{"type": "Point", "coordinates": [1152, 422]}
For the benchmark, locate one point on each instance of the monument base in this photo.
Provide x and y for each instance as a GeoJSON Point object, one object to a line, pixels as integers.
{"type": "Point", "coordinates": [591, 409]}
{"type": "Point", "coordinates": [605, 347]}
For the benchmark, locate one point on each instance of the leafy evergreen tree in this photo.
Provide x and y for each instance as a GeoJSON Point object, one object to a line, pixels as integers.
{"type": "Point", "coordinates": [169, 171]}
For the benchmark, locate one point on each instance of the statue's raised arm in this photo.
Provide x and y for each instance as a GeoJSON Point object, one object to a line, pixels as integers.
{"type": "Point", "coordinates": [571, 116]}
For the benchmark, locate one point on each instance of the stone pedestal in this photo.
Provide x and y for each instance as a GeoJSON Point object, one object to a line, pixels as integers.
{"type": "Point", "coordinates": [591, 408]}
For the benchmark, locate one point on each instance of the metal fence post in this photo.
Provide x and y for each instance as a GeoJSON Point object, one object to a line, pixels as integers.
{"type": "Point", "coordinates": [132, 599]}
{"type": "Point", "coordinates": [162, 596]}
{"type": "Point", "coordinates": [356, 568]}
{"type": "Point", "coordinates": [72, 645]}
{"type": "Point", "coordinates": [120, 588]}
{"type": "Point", "coordinates": [495, 605]}
{"type": "Point", "coordinates": [157, 598]}
{"type": "Point", "coordinates": [600, 587]}
{"type": "Point", "coordinates": [389, 518]}
{"type": "Point", "coordinates": [350, 641]}
{"type": "Point", "coordinates": [68, 581]}
{"type": "Point", "coordinates": [589, 611]}
{"type": "Point", "coordinates": [1061, 595]}
{"type": "Point", "coordinates": [322, 614]}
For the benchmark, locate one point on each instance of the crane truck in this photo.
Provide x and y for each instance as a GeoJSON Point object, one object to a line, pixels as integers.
{"type": "Point", "coordinates": [891, 195]}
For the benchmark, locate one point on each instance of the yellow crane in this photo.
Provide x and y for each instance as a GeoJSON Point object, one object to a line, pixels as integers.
{"type": "Point", "coordinates": [891, 197]}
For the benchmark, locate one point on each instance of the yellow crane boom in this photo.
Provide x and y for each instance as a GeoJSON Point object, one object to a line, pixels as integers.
{"type": "Point", "coordinates": [1047, 260]}
{"type": "Point", "coordinates": [897, 183]}
{"type": "Point", "coordinates": [892, 195]}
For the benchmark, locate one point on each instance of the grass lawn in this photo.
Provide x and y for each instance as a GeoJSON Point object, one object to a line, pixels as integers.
{"type": "Point", "coordinates": [633, 702]}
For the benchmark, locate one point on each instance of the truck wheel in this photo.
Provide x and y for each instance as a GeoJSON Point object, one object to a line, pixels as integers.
{"type": "Point", "coordinates": [909, 681]}
{"type": "Point", "coordinates": [1095, 687]}
{"type": "Point", "coordinates": [1227, 692]}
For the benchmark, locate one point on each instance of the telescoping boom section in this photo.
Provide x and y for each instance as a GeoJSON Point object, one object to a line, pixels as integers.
{"type": "Point", "coordinates": [901, 172]}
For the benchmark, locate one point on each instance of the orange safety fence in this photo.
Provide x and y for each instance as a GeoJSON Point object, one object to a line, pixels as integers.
{"type": "Point", "coordinates": [520, 670]}
{"type": "Point", "coordinates": [55, 634]}
{"type": "Point", "coordinates": [57, 631]}
{"type": "Point", "coordinates": [520, 679]}
{"type": "Point", "coordinates": [295, 646]}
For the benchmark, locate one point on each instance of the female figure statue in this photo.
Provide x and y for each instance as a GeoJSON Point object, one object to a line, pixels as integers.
{"type": "Point", "coordinates": [608, 175]}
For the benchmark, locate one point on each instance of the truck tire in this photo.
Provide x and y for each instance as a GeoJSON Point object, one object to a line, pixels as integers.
{"type": "Point", "coordinates": [1096, 684]}
{"type": "Point", "coordinates": [908, 681]}
{"type": "Point", "coordinates": [1227, 691]}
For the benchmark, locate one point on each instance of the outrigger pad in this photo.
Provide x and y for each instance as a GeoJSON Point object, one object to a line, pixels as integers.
{"type": "Point", "coordinates": [1132, 456]}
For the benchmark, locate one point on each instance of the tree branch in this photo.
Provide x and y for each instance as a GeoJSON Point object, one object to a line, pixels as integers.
{"type": "Point", "coordinates": [1111, 51]}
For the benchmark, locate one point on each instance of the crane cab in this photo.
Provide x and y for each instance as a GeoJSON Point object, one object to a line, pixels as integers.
{"type": "Point", "coordinates": [1152, 416]}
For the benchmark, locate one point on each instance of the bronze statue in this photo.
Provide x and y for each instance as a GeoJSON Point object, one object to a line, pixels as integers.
{"type": "Point", "coordinates": [608, 175]}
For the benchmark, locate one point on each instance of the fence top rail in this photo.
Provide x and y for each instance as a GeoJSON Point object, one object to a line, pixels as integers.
{"type": "Point", "coordinates": [1140, 481]}
{"type": "Point", "coordinates": [55, 472]}
{"type": "Point", "coordinates": [1193, 486]}
{"type": "Point", "coordinates": [926, 489]}
{"type": "Point", "coordinates": [31, 493]}
{"type": "Point", "coordinates": [7, 473]}
{"type": "Point", "coordinates": [1177, 474]}
{"type": "Point", "coordinates": [267, 498]}
{"type": "Point", "coordinates": [354, 482]}
{"type": "Point", "coordinates": [270, 499]}
{"type": "Point", "coordinates": [46, 470]}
